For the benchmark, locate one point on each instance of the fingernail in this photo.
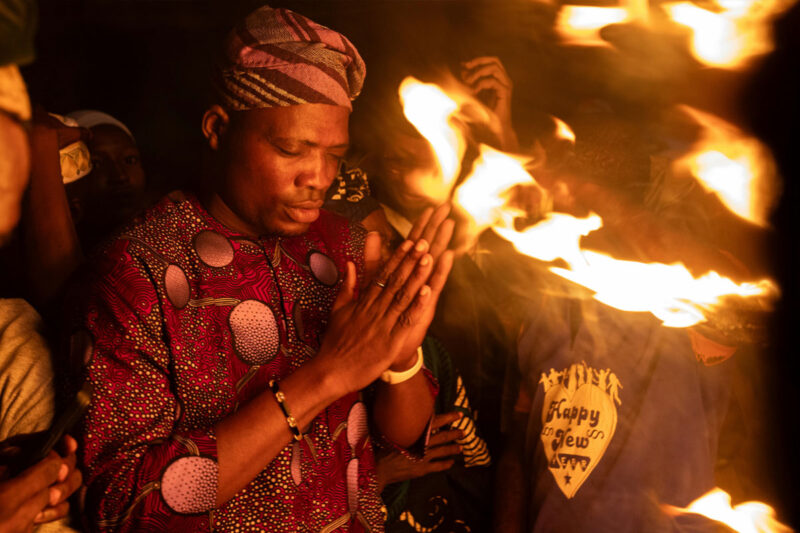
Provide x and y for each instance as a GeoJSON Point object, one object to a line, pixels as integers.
{"type": "Point", "coordinates": [406, 246]}
{"type": "Point", "coordinates": [39, 516]}
{"type": "Point", "coordinates": [425, 261]}
{"type": "Point", "coordinates": [55, 496]}
{"type": "Point", "coordinates": [425, 290]}
{"type": "Point", "coordinates": [63, 472]}
{"type": "Point", "coordinates": [421, 245]}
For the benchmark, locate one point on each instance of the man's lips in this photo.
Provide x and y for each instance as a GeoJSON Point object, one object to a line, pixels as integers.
{"type": "Point", "coordinates": [304, 212]}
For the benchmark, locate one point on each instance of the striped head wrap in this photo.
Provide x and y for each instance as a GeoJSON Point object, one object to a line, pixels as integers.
{"type": "Point", "coordinates": [276, 57]}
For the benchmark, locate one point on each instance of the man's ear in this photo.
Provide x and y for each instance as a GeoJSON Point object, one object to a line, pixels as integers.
{"type": "Point", "coordinates": [215, 123]}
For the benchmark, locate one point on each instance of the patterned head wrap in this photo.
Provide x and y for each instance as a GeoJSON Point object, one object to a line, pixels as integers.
{"type": "Point", "coordinates": [276, 57]}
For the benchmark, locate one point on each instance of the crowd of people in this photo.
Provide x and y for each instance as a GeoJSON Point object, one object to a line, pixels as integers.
{"type": "Point", "coordinates": [303, 342]}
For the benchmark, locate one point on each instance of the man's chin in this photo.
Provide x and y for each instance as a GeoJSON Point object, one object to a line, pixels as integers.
{"type": "Point", "coordinates": [287, 228]}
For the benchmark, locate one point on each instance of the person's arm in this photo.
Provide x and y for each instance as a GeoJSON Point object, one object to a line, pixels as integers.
{"type": "Point", "coordinates": [52, 249]}
{"type": "Point", "coordinates": [131, 454]}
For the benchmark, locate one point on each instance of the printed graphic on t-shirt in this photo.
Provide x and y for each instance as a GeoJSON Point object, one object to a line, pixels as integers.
{"type": "Point", "coordinates": [579, 417]}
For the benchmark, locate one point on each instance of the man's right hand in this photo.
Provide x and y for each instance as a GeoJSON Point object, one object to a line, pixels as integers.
{"type": "Point", "coordinates": [39, 494]}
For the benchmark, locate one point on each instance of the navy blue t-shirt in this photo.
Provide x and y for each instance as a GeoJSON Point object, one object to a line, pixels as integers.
{"type": "Point", "coordinates": [622, 419]}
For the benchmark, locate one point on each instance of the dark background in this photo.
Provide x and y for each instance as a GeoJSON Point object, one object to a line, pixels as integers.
{"type": "Point", "coordinates": [147, 62]}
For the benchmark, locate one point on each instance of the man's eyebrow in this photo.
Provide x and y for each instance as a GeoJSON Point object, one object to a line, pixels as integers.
{"type": "Point", "coordinates": [310, 143]}
{"type": "Point", "coordinates": [333, 147]}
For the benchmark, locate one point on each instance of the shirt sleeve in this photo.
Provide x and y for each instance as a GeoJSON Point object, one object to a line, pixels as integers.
{"type": "Point", "coordinates": [26, 374]}
{"type": "Point", "coordinates": [141, 473]}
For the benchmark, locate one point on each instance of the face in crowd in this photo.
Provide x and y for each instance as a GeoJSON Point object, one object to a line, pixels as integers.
{"type": "Point", "coordinates": [277, 163]}
{"type": "Point", "coordinates": [114, 189]}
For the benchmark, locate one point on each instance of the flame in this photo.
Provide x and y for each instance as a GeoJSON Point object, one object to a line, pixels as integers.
{"type": "Point", "coordinates": [727, 37]}
{"type": "Point", "coordinates": [737, 168]}
{"type": "Point", "coordinates": [430, 110]}
{"type": "Point", "coordinates": [669, 292]}
{"type": "Point", "coordinates": [748, 517]}
{"type": "Point", "coordinates": [581, 24]}
{"type": "Point", "coordinates": [563, 131]}
{"type": "Point", "coordinates": [731, 36]}
{"type": "Point", "coordinates": [484, 194]}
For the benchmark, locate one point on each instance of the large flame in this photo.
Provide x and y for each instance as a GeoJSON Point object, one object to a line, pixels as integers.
{"type": "Point", "coordinates": [748, 517]}
{"type": "Point", "coordinates": [670, 292]}
{"type": "Point", "coordinates": [737, 168]}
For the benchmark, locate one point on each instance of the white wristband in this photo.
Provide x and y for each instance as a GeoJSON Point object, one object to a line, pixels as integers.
{"type": "Point", "coordinates": [393, 378]}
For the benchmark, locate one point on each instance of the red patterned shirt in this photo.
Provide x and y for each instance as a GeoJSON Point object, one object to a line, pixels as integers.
{"type": "Point", "coordinates": [183, 322]}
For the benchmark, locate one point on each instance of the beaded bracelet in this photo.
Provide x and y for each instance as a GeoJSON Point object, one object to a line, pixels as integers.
{"type": "Point", "coordinates": [281, 399]}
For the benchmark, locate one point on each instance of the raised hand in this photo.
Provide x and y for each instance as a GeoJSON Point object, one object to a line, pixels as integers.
{"type": "Point", "coordinates": [490, 83]}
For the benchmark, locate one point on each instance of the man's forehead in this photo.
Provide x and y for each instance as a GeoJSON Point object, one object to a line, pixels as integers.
{"type": "Point", "coordinates": [313, 124]}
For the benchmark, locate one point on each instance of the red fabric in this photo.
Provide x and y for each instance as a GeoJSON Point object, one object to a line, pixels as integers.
{"type": "Point", "coordinates": [174, 341]}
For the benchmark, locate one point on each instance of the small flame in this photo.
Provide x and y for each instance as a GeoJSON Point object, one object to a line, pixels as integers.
{"type": "Point", "coordinates": [484, 194]}
{"type": "Point", "coordinates": [737, 168]}
{"type": "Point", "coordinates": [748, 517]}
{"type": "Point", "coordinates": [581, 24]}
{"type": "Point", "coordinates": [715, 40]}
{"type": "Point", "coordinates": [731, 36]}
{"type": "Point", "coordinates": [563, 131]}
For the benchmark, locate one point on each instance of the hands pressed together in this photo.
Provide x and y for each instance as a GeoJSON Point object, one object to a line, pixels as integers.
{"type": "Point", "coordinates": [39, 494]}
{"type": "Point", "coordinates": [382, 328]}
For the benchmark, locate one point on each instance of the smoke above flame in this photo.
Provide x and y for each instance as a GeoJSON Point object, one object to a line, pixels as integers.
{"type": "Point", "coordinates": [668, 291]}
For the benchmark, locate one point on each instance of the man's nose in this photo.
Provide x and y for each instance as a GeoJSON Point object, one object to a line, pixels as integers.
{"type": "Point", "coordinates": [319, 172]}
{"type": "Point", "coordinates": [117, 175]}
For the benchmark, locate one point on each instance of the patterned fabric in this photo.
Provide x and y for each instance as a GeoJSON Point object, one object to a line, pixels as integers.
{"type": "Point", "coordinates": [185, 321]}
{"type": "Point", "coordinates": [276, 58]}
{"type": "Point", "coordinates": [349, 195]}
